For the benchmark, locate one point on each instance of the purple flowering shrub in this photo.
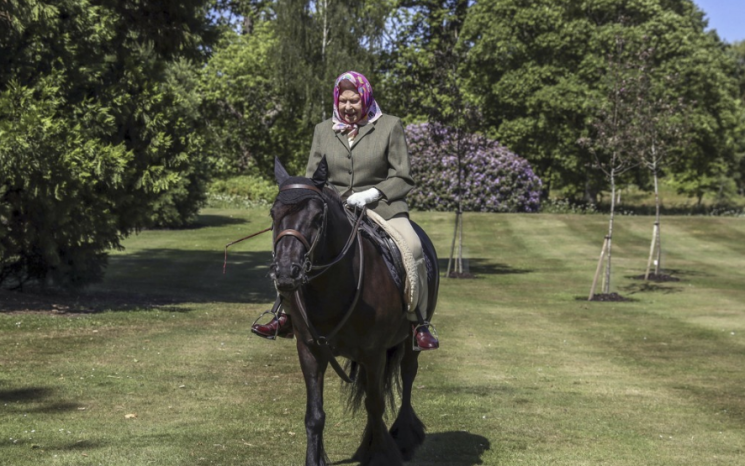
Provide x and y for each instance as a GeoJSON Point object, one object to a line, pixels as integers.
{"type": "Point", "coordinates": [494, 179]}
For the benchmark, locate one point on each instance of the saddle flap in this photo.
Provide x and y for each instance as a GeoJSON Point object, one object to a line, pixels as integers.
{"type": "Point", "coordinates": [396, 254]}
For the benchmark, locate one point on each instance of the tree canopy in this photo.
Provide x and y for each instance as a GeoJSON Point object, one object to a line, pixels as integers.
{"type": "Point", "coordinates": [535, 69]}
{"type": "Point", "coordinates": [97, 136]}
{"type": "Point", "coordinates": [114, 115]}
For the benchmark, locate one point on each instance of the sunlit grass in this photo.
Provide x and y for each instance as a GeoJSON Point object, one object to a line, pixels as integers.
{"type": "Point", "coordinates": [165, 373]}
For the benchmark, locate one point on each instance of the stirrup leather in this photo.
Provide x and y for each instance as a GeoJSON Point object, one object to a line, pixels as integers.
{"type": "Point", "coordinates": [426, 325]}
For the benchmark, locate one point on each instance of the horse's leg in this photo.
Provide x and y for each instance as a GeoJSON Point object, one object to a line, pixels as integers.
{"type": "Point", "coordinates": [315, 417]}
{"type": "Point", "coordinates": [408, 430]}
{"type": "Point", "coordinates": [377, 447]}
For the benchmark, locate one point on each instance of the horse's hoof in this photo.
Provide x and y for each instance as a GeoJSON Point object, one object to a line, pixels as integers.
{"type": "Point", "coordinates": [408, 433]}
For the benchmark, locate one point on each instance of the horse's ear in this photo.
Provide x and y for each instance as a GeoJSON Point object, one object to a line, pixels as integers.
{"type": "Point", "coordinates": [280, 174]}
{"type": "Point", "coordinates": [321, 174]}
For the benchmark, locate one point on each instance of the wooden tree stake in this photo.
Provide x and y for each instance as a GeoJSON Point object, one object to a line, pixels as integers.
{"type": "Point", "coordinates": [651, 250]}
{"type": "Point", "coordinates": [597, 271]}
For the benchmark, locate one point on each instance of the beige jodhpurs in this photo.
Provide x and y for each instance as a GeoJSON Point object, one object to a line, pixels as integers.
{"type": "Point", "coordinates": [402, 225]}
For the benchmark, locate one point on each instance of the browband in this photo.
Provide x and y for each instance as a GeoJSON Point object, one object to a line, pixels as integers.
{"type": "Point", "coordinates": [300, 186]}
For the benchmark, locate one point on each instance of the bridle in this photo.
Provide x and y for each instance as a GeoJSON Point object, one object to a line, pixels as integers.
{"type": "Point", "coordinates": [307, 267]}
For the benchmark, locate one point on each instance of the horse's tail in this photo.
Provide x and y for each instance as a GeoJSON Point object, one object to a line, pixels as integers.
{"type": "Point", "coordinates": [391, 379]}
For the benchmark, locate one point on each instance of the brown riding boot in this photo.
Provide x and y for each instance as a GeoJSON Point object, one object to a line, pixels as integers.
{"type": "Point", "coordinates": [278, 327]}
{"type": "Point", "coordinates": [424, 339]}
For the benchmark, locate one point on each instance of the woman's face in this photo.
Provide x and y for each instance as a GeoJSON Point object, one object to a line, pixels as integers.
{"type": "Point", "coordinates": [350, 106]}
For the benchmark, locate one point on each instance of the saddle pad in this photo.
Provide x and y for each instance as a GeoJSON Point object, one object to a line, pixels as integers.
{"type": "Point", "coordinates": [411, 287]}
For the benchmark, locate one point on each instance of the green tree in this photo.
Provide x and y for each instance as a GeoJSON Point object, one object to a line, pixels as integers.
{"type": "Point", "coordinates": [422, 82]}
{"type": "Point", "coordinates": [737, 51]}
{"type": "Point", "coordinates": [270, 79]}
{"type": "Point", "coordinates": [95, 130]}
{"type": "Point", "coordinates": [242, 104]}
{"type": "Point", "coordinates": [316, 42]}
{"type": "Point", "coordinates": [614, 140]}
{"type": "Point", "coordinates": [535, 67]}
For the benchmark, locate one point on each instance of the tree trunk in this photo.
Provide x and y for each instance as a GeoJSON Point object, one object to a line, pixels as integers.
{"type": "Point", "coordinates": [324, 43]}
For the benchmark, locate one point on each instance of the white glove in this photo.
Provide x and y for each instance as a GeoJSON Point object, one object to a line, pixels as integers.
{"type": "Point", "coordinates": [363, 198]}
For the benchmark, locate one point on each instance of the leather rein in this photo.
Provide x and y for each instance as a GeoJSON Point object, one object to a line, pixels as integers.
{"type": "Point", "coordinates": [308, 267]}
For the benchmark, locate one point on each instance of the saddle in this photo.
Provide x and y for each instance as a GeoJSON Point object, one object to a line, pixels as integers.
{"type": "Point", "coordinates": [387, 248]}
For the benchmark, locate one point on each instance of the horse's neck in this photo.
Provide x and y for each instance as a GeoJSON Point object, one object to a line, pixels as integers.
{"type": "Point", "coordinates": [338, 230]}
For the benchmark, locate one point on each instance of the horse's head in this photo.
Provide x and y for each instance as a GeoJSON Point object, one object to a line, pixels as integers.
{"type": "Point", "coordinates": [300, 216]}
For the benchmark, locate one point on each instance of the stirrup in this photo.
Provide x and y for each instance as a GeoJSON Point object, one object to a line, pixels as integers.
{"type": "Point", "coordinates": [276, 331]}
{"type": "Point", "coordinates": [429, 327]}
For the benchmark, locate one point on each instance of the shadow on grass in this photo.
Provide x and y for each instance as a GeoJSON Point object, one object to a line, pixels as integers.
{"type": "Point", "coordinates": [79, 445]}
{"type": "Point", "coordinates": [32, 395]}
{"type": "Point", "coordinates": [207, 220]}
{"type": "Point", "coordinates": [647, 287]}
{"type": "Point", "coordinates": [165, 279]}
{"type": "Point", "coordinates": [194, 276]}
{"type": "Point", "coordinates": [162, 279]}
{"type": "Point", "coordinates": [606, 298]}
{"type": "Point", "coordinates": [24, 395]}
{"type": "Point", "coordinates": [478, 266]}
{"type": "Point", "coordinates": [452, 449]}
{"type": "Point", "coordinates": [447, 448]}
{"type": "Point", "coordinates": [685, 273]}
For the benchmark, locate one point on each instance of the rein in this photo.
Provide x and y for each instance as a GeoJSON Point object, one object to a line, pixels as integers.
{"type": "Point", "coordinates": [308, 266]}
{"type": "Point", "coordinates": [225, 263]}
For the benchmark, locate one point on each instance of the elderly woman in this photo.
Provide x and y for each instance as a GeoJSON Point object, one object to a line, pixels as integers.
{"type": "Point", "coordinates": [368, 164]}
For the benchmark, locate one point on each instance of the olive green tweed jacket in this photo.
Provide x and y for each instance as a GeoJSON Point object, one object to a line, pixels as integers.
{"type": "Point", "coordinates": [379, 158]}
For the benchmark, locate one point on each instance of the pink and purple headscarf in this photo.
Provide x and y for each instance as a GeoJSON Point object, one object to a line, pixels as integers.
{"type": "Point", "coordinates": [370, 108]}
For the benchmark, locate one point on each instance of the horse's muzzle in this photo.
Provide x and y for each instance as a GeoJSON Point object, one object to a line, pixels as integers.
{"type": "Point", "coordinates": [287, 278]}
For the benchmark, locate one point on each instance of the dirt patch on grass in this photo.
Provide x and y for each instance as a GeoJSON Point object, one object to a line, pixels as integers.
{"type": "Point", "coordinates": [610, 297]}
{"type": "Point", "coordinates": [59, 302]}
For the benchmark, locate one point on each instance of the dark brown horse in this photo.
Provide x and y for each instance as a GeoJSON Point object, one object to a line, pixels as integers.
{"type": "Point", "coordinates": [343, 302]}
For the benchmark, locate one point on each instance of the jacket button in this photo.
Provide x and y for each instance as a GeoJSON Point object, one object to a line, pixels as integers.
{"type": "Point", "coordinates": [350, 172]}
{"type": "Point", "coordinates": [349, 156]}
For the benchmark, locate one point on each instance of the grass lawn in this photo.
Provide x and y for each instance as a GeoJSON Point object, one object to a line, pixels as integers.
{"type": "Point", "coordinates": [155, 366]}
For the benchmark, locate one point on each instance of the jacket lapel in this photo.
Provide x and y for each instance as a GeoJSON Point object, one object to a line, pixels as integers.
{"type": "Point", "coordinates": [363, 131]}
{"type": "Point", "coordinates": [343, 139]}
